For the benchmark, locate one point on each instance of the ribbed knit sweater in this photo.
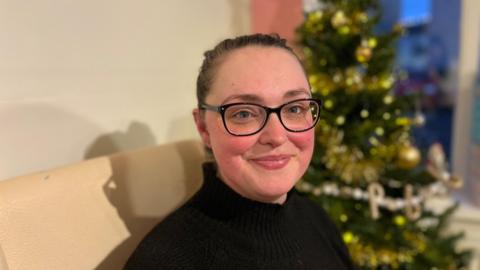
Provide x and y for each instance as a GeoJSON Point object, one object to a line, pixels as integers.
{"type": "Point", "coordinates": [219, 229]}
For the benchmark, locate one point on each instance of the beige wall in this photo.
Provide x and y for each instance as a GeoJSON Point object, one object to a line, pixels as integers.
{"type": "Point", "coordinates": [466, 154]}
{"type": "Point", "coordinates": [83, 78]}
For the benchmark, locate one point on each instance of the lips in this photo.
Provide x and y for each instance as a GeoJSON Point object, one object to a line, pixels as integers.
{"type": "Point", "coordinates": [272, 162]}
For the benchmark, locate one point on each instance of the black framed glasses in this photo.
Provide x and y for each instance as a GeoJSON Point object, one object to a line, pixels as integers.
{"type": "Point", "coordinates": [244, 119]}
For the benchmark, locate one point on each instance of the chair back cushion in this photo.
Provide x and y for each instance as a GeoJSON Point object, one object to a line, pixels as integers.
{"type": "Point", "coordinates": [91, 215]}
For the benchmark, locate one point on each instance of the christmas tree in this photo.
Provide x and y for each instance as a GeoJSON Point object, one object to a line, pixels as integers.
{"type": "Point", "coordinates": [366, 170]}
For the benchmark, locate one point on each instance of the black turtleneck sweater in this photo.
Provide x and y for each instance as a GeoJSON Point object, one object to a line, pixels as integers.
{"type": "Point", "coordinates": [219, 229]}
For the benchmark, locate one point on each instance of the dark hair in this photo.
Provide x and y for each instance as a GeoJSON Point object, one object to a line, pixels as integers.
{"type": "Point", "coordinates": [214, 56]}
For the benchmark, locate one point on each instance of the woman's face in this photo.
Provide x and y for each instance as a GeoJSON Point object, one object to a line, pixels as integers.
{"type": "Point", "coordinates": [266, 165]}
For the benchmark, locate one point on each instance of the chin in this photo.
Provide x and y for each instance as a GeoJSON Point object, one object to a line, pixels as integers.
{"type": "Point", "coordinates": [270, 187]}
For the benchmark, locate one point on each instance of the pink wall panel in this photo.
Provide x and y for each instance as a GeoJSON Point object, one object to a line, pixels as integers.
{"type": "Point", "coordinates": [276, 16]}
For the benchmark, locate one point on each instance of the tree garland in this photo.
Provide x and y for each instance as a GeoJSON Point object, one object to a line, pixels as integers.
{"type": "Point", "coordinates": [375, 193]}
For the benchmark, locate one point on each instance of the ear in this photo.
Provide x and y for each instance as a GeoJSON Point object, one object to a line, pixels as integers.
{"type": "Point", "coordinates": [201, 127]}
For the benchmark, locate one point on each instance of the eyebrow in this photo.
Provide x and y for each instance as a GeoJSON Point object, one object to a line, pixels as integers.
{"type": "Point", "coordinates": [255, 98]}
{"type": "Point", "coordinates": [298, 92]}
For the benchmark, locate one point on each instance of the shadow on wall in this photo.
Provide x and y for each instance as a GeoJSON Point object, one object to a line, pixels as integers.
{"type": "Point", "coordinates": [147, 185]}
{"type": "Point", "coordinates": [137, 135]}
{"type": "Point", "coordinates": [182, 127]}
{"type": "Point", "coordinates": [36, 136]}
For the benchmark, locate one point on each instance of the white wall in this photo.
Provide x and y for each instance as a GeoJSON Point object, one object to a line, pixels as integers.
{"type": "Point", "coordinates": [81, 78]}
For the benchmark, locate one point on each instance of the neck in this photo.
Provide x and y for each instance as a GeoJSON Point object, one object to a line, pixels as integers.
{"type": "Point", "coordinates": [254, 197]}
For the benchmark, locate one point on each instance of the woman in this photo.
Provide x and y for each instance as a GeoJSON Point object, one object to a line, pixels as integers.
{"type": "Point", "coordinates": [256, 116]}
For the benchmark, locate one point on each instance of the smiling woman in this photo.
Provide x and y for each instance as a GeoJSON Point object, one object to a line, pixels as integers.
{"type": "Point", "coordinates": [256, 115]}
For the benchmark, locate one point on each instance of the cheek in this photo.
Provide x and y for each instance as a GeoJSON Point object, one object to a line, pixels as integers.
{"type": "Point", "coordinates": [304, 141]}
{"type": "Point", "coordinates": [227, 147]}
{"type": "Point", "coordinates": [236, 146]}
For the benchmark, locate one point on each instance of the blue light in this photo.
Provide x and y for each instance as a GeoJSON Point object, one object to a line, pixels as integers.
{"type": "Point", "coordinates": [415, 12]}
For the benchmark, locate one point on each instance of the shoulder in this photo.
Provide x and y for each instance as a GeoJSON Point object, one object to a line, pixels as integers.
{"type": "Point", "coordinates": [172, 244]}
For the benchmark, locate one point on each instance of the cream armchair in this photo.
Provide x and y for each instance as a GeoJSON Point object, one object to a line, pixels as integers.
{"type": "Point", "coordinates": [92, 215]}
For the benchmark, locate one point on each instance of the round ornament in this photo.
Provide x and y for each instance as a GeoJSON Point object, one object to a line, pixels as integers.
{"type": "Point", "coordinates": [363, 54]}
{"type": "Point", "coordinates": [408, 157]}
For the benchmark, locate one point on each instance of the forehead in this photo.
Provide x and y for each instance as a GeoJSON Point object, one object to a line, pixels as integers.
{"type": "Point", "coordinates": [268, 73]}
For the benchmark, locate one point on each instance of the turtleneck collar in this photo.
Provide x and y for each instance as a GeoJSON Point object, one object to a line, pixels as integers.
{"type": "Point", "coordinates": [268, 224]}
{"type": "Point", "coordinates": [218, 200]}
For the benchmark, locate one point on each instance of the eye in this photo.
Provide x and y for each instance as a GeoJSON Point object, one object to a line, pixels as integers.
{"type": "Point", "coordinates": [297, 108]}
{"type": "Point", "coordinates": [242, 114]}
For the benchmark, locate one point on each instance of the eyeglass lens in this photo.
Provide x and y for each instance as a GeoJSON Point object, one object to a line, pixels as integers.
{"type": "Point", "coordinates": [242, 119]}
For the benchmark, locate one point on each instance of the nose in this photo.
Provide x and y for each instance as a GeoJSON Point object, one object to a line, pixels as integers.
{"type": "Point", "coordinates": [273, 133]}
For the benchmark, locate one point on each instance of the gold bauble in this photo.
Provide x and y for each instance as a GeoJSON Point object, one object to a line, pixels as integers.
{"type": "Point", "coordinates": [363, 54]}
{"type": "Point", "coordinates": [408, 157]}
{"type": "Point", "coordinates": [339, 19]}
